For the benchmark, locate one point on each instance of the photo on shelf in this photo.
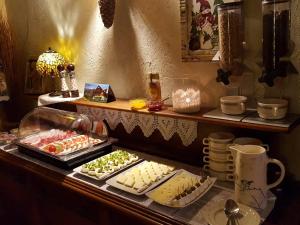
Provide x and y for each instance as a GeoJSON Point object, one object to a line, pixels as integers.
{"type": "Point", "coordinates": [98, 92]}
{"type": "Point", "coordinates": [199, 29]}
{"type": "Point", "coordinates": [34, 82]}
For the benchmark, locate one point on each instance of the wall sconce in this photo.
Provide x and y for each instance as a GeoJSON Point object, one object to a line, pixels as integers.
{"type": "Point", "coordinates": [47, 66]}
{"type": "Point", "coordinates": [107, 11]}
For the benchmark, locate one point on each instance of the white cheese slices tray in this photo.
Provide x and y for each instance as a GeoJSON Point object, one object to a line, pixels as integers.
{"type": "Point", "coordinates": [142, 178]}
{"type": "Point", "coordinates": [181, 190]}
{"type": "Point", "coordinates": [107, 165]}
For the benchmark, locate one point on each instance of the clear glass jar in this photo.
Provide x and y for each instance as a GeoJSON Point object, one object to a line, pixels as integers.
{"type": "Point", "coordinates": [185, 95]}
{"type": "Point", "coordinates": [231, 37]}
{"type": "Point", "coordinates": [276, 34]}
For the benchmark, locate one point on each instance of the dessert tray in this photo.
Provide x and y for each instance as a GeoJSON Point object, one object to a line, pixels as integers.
{"type": "Point", "coordinates": [142, 177]}
{"type": "Point", "coordinates": [181, 190]}
{"type": "Point", "coordinates": [107, 165]}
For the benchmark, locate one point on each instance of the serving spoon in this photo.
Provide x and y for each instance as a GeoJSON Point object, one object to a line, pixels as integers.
{"type": "Point", "coordinates": [231, 210]}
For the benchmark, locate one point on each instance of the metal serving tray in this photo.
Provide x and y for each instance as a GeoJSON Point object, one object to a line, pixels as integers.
{"type": "Point", "coordinates": [70, 160]}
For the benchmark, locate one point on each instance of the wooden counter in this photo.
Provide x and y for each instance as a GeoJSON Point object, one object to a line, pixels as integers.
{"type": "Point", "coordinates": [33, 194]}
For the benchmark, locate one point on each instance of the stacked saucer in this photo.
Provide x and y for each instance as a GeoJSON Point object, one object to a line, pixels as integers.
{"type": "Point", "coordinates": [218, 157]}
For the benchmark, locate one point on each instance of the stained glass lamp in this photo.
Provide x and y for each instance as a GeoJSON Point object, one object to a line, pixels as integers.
{"type": "Point", "coordinates": [46, 65]}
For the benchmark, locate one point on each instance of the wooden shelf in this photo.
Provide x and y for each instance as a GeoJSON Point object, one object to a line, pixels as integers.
{"type": "Point", "coordinates": [123, 105]}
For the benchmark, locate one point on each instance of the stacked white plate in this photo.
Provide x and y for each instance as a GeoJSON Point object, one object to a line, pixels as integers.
{"type": "Point", "coordinates": [218, 158]}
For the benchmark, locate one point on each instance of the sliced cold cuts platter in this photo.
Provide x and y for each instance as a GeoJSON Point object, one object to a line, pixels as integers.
{"type": "Point", "coordinates": [64, 148]}
{"type": "Point", "coordinates": [59, 142]}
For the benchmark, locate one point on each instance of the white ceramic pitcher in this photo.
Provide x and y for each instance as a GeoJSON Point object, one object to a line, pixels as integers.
{"type": "Point", "coordinates": [251, 175]}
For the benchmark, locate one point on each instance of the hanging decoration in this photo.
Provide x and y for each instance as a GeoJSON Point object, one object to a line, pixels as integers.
{"type": "Point", "coordinates": [107, 11]}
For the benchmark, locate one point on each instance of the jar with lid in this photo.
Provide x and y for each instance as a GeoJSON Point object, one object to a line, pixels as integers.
{"type": "Point", "coordinates": [231, 37]}
{"type": "Point", "coordinates": [276, 37]}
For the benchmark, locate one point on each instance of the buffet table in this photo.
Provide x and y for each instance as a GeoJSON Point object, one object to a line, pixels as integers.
{"type": "Point", "coordinates": [47, 193]}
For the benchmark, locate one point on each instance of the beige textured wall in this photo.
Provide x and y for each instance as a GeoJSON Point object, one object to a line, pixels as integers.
{"type": "Point", "coordinates": [145, 38]}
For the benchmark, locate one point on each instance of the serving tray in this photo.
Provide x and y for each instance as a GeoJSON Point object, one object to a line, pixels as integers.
{"type": "Point", "coordinates": [71, 160]}
{"type": "Point", "coordinates": [78, 170]}
{"type": "Point", "coordinates": [113, 181]}
{"type": "Point", "coordinates": [189, 198]}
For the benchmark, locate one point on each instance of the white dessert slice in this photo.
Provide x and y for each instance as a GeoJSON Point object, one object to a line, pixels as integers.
{"type": "Point", "coordinates": [92, 172]}
{"type": "Point", "coordinates": [165, 169]}
{"type": "Point", "coordinates": [139, 185]}
{"type": "Point", "coordinates": [152, 176]}
{"type": "Point", "coordinates": [121, 179]}
{"type": "Point", "coordinates": [84, 169]}
{"type": "Point", "coordinates": [158, 171]}
{"type": "Point", "coordinates": [146, 180]}
{"type": "Point", "coordinates": [129, 182]}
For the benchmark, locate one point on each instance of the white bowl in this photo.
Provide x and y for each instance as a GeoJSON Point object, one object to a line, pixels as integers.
{"type": "Point", "coordinates": [219, 137]}
{"type": "Point", "coordinates": [223, 176]}
{"type": "Point", "coordinates": [233, 105]}
{"type": "Point", "coordinates": [272, 108]}
{"type": "Point", "coordinates": [221, 156]}
{"type": "Point", "coordinates": [219, 166]}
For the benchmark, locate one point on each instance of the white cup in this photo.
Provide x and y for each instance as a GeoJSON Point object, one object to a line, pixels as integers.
{"type": "Point", "coordinates": [223, 176]}
{"type": "Point", "coordinates": [218, 155]}
{"type": "Point", "coordinates": [219, 166]}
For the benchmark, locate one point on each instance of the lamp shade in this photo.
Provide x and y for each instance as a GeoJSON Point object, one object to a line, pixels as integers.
{"type": "Point", "coordinates": [47, 63]}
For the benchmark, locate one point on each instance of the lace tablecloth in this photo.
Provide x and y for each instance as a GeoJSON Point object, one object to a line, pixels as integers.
{"type": "Point", "coordinates": [186, 129]}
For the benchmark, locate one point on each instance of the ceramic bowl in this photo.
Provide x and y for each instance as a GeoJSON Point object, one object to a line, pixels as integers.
{"type": "Point", "coordinates": [219, 137]}
{"type": "Point", "coordinates": [219, 166]}
{"type": "Point", "coordinates": [272, 108]}
{"type": "Point", "coordinates": [233, 105]}
{"type": "Point", "coordinates": [223, 176]}
{"type": "Point", "coordinates": [221, 156]}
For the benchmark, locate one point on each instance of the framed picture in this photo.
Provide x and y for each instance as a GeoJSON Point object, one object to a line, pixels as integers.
{"type": "Point", "coordinates": [98, 92]}
{"type": "Point", "coordinates": [34, 82]}
{"type": "Point", "coordinates": [199, 29]}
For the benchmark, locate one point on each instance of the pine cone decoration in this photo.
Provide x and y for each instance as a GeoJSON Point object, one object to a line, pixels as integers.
{"type": "Point", "coordinates": [107, 11]}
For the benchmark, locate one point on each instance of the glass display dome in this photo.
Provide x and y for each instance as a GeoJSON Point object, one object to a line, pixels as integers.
{"type": "Point", "coordinates": [60, 133]}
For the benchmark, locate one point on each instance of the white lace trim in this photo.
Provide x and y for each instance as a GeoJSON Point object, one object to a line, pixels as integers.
{"type": "Point", "coordinates": [186, 129]}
